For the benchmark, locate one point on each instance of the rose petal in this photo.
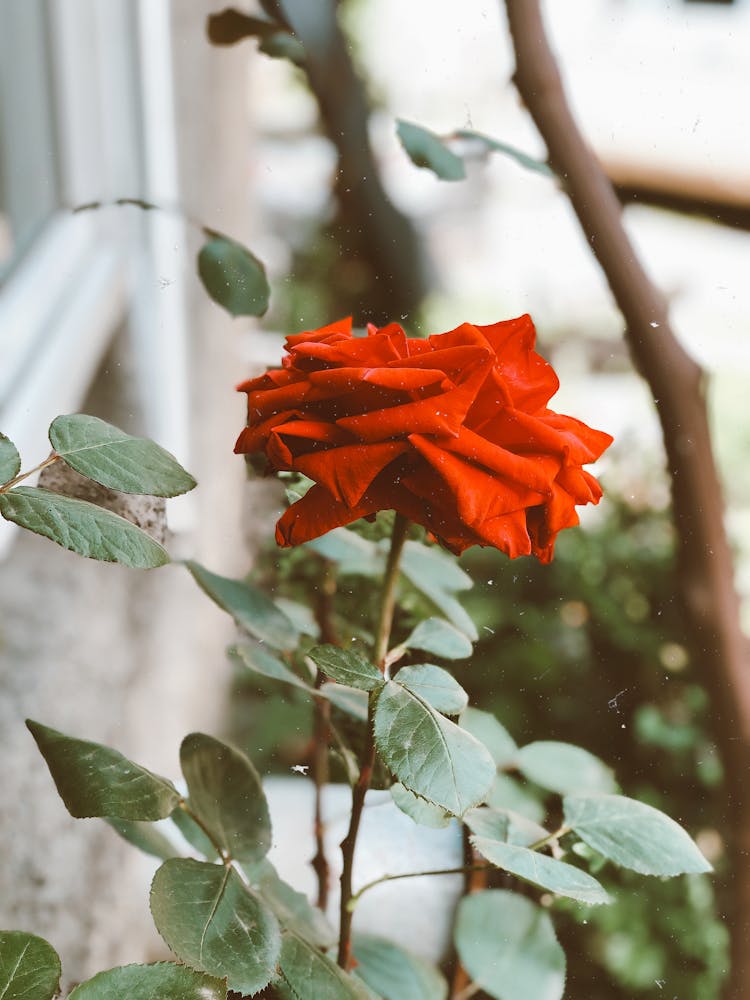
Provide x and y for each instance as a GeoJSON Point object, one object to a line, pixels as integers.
{"type": "Point", "coordinates": [347, 472]}
{"type": "Point", "coordinates": [315, 514]}
{"type": "Point", "coordinates": [536, 471]}
{"type": "Point", "coordinates": [404, 379]}
{"type": "Point", "coordinates": [254, 438]}
{"type": "Point", "coordinates": [452, 431]}
{"type": "Point", "coordinates": [438, 513]}
{"type": "Point", "coordinates": [478, 495]}
{"type": "Point", "coordinates": [341, 328]}
{"type": "Point", "coordinates": [580, 484]}
{"type": "Point", "coordinates": [531, 381]}
{"type": "Point", "coordinates": [441, 414]}
{"type": "Point", "coordinates": [570, 439]}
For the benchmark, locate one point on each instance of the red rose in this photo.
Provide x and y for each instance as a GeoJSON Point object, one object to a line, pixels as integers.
{"type": "Point", "coordinates": [452, 431]}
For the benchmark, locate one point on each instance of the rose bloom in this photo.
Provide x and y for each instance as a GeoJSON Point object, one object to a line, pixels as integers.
{"type": "Point", "coordinates": [452, 431]}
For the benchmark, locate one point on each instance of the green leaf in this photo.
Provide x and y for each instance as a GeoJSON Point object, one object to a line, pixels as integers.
{"type": "Point", "coordinates": [430, 562]}
{"type": "Point", "coordinates": [145, 836]}
{"type": "Point", "coordinates": [396, 974]}
{"type": "Point", "coordinates": [440, 638]}
{"type": "Point", "coordinates": [227, 796]}
{"type": "Point", "coordinates": [116, 460]}
{"type": "Point", "coordinates": [214, 923]}
{"type": "Point", "coordinates": [493, 146]}
{"type": "Point", "coordinates": [350, 700]}
{"type": "Point", "coordinates": [564, 768]}
{"type": "Point", "coordinates": [309, 973]}
{"type": "Point", "coordinates": [435, 686]}
{"type": "Point", "coordinates": [507, 793]}
{"type": "Point", "coordinates": [633, 835]}
{"type": "Point", "coordinates": [505, 825]}
{"type": "Point", "coordinates": [508, 947]}
{"type": "Point", "coordinates": [231, 26]}
{"type": "Point", "coordinates": [94, 780]}
{"type": "Point", "coordinates": [282, 45]}
{"type": "Point", "coordinates": [428, 753]}
{"type": "Point", "coordinates": [275, 39]}
{"type": "Point", "coordinates": [437, 576]}
{"type": "Point", "coordinates": [193, 834]}
{"type": "Point", "coordinates": [354, 555]}
{"type": "Point", "coordinates": [250, 607]}
{"type": "Point", "coordinates": [161, 981]}
{"type": "Point", "coordinates": [426, 149]}
{"type": "Point", "coordinates": [422, 812]}
{"type": "Point", "coordinates": [299, 615]}
{"type": "Point", "coordinates": [29, 967]}
{"type": "Point", "coordinates": [261, 662]}
{"type": "Point", "coordinates": [82, 527]}
{"type": "Point", "coordinates": [486, 728]}
{"type": "Point", "coordinates": [233, 276]}
{"type": "Point", "coordinates": [347, 667]}
{"type": "Point", "coordinates": [293, 909]}
{"type": "Point", "coordinates": [10, 460]}
{"type": "Point", "coordinates": [349, 762]}
{"type": "Point", "coordinates": [541, 870]}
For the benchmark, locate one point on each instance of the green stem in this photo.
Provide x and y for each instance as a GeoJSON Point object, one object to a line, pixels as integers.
{"type": "Point", "coordinates": [380, 649]}
{"type": "Point", "coordinates": [226, 858]}
{"type": "Point", "coordinates": [393, 878]}
{"type": "Point", "coordinates": [25, 475]}
{"type": "Point", "coordinates": [388, 597]}
{"type": "Point", "coordinates": [537, 845]}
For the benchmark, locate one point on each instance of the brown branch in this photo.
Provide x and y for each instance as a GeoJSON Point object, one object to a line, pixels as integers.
{"type": "Point", "coordinates": [706, 577]}
{"type": "Point", "coordinates": [369, 228]}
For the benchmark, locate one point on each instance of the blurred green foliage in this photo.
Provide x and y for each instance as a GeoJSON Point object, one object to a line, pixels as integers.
{"type": "Point", "coordinates": [588, 650]}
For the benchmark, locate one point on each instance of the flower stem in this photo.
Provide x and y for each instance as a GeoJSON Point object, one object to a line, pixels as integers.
{"type": "Point", "coordinates": [382, 635]}
{"type": "Point", "coordinates": [388, 597]}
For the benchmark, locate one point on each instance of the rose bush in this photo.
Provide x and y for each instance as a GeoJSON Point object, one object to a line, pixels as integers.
{"type": "Point", "coordinates": [452, 431]}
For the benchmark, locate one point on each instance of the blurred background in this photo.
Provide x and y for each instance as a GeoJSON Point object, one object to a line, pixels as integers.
{"type": "Point", "coordinates": [101, 311]}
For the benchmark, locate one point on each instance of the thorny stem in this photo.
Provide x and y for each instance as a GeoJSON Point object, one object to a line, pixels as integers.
{"type": "Point", "coordinates": [322, 733]}
{"type": "Point", "coordinates": [25, 475]}
{"type": "Point", "coordinates": [319, 775]}
{"type": "Point", "coordinates": [225, 857]}
{"type": "Point", "coordinates": [382, 635]}
{"type": "Point", "coordinates": [435, 871]}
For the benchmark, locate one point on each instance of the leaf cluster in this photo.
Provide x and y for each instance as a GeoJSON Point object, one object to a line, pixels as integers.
{"type": "Point", "coordinates": [107, 456]}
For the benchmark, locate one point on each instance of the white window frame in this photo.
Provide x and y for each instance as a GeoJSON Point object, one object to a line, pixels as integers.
{"type": "Point", "coordinates": [90, 273]}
